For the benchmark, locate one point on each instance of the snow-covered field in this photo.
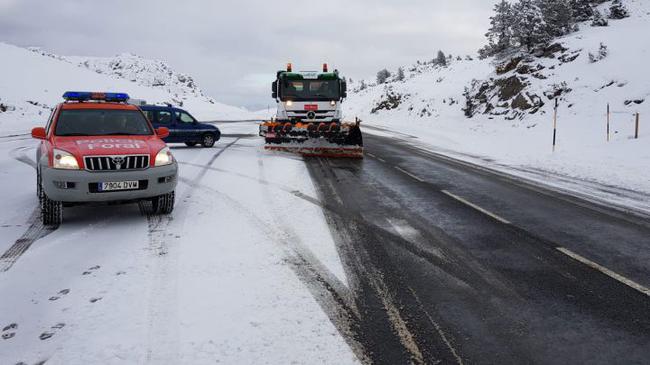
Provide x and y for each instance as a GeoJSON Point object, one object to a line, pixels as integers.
{"type": "Point", "coordinates": [584, 161]}
{"type": "Point", "coordinates": [218, 281]}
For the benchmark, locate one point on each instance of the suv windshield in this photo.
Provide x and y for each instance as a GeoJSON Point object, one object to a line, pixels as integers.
{"type": "Point", "coordinates": [98, 122]}
{"type": "Point", "coordinates": [310, 90]}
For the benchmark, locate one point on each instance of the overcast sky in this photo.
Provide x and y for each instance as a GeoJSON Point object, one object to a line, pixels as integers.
{"type": "Point", "coordinates": [234, 48]}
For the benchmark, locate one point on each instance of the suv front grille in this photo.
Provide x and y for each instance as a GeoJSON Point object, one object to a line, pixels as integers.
{"type": "Point", "coordinates": [115, 163]}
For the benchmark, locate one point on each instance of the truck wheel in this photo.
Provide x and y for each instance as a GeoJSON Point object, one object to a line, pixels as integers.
{"type": "Point", "coordinates": [208, 140]}
{"type": "Point", "coordinates": [190, 144]}
{"type": "Point", "coordinates": [163, 204]}
{"type": "Point", "coordinates": [51, 211]}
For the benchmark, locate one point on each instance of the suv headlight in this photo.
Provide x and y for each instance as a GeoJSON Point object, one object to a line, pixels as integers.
{"type": "Point", "coordinates": [64, 160]}
{"type": "Point", "coordinates": [164, 157]}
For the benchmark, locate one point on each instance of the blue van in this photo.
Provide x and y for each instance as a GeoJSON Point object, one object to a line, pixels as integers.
{"type": "Point", "coordinates": [183, 127]}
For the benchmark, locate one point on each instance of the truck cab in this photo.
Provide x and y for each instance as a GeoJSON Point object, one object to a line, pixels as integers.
{"type": "Point", "coordinates": [183, 127]}
{"type": "Point", "coordinates": [309, 96]}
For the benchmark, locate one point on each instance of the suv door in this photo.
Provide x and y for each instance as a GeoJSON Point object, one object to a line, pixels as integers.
{"type": "Point", "coordinates": [189, 127]}
{"type": "Point", "coordinates": [164, 118]}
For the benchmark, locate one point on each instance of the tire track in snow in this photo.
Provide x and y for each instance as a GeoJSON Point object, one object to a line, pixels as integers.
{"type": "Point", "coordinates": [331, 294]}
{"type": "Point", "coordinates": [36, 229]}
{"type": "Point", "coordinates": [163, 343]}
{"type": "Point", "coordinates": [35, 232]}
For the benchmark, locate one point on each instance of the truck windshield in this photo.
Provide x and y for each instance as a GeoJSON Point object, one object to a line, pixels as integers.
{"type": "Point", "coordinates": [310, 90]}
{"type": "Point", "coordinates": [98, 122]}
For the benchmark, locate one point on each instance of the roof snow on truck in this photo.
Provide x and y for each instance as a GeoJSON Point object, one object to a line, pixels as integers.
{"type": "Point", "coordinates": [97, 148]}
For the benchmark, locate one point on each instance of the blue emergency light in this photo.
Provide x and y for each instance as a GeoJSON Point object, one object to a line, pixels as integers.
{"type": "Point", "coordinates": [98, 96]}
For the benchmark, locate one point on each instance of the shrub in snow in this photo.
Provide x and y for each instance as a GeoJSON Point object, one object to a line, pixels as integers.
{"type": "Point", "coordinates": [400, 74]}
{"type": "Point", "coordinates": [599, 20]}
{"type": "Point", "coordinates": [582, 10]}
{"type": "Point", "coordinates": [382, 76]}
{"type": "Point", "coordinates": [362, 85]}
{"type": "Point", "coordinates": [602, 54]}
{"type": "Point", "coordinates": [617, 10]}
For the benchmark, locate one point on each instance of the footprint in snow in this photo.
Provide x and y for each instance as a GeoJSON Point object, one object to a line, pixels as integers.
{"type": "Point", "coordinates": [59, 294]}
{"type": "Point", "coordinates": [47, 334]}
{"type": "Point", "coordinates": [95, 300]}
{"type": "Point", "coordinates": [7, 332]}
{"type": "Point", "coordinates": [12, 326]}
{"type": "Point", "coordinates": [90, 271]}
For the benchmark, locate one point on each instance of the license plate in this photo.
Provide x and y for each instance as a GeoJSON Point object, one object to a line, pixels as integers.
{"type": "Point", "coordinates": [118, 185]}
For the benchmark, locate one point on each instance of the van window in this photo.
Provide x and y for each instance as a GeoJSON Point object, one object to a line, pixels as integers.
{"type": "Point", "coordinates": [164, 118]}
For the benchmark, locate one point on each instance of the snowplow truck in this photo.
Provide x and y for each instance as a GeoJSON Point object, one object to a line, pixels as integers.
{"type": "Point", "coordinates": [309, 118]}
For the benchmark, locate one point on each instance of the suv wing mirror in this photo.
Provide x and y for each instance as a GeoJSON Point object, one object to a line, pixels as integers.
{"type": "Point", "coordinates": [39, 133]}
{"type": "Point", "coordinates": [162, 132]}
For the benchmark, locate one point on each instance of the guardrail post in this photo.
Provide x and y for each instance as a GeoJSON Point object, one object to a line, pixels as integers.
{"type": "Point", "coordinates": [636, 128]}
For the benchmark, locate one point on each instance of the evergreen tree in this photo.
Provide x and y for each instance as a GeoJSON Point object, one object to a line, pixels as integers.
{"type": "Point", "coordinates": [529, 28]}
{"type": "Point", "coordinates": [617, 10]}
{"type": "Point", "coordinates": [441, 59]}
{"type": "Point", "coordinates": [500, 33]}
{"type": "Point", "coordinates": [558, 16]}
{"type": "Point", "coordinates": [582, 10]}
{"type": "Point", "coordinates": [382, 76]}
{"type": "Point", "coordinates": [400, 74]}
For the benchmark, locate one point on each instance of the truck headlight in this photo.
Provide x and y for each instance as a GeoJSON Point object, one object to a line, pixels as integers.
{"type": "Point", "coordinates": [64, 160]}
{"type": "Point", "coordinates": [289, 103]}
{"type": "Point", "coordinates": [164, 157]}
{"type": "Point", "coordinates": [333, 103]}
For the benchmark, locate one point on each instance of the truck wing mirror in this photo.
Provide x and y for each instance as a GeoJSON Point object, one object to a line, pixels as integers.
{"type": "Point", "coordinates": [274, 89]}
{"type": "Point", "coordinates": [344, 89]}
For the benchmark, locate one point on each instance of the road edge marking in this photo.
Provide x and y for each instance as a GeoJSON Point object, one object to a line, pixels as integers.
{"type": "Point", "coordinates": [484, 211]}
{"type": "Point", "coordinates": [620, 278]}
{"type": "Point", "coordinates": [409, 174]}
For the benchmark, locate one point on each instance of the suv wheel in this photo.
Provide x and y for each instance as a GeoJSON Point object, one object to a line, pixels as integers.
{"type": "Point", "coordinates": [208, 140]}
{"type": "Point", "coordinates": [190, 144]}
{"type": "Point", "coordinates": [163, 204]}
{"type": "Point", "coordinates": [51, 211]}
{"type": "Point", "coordinates": [39, 187]}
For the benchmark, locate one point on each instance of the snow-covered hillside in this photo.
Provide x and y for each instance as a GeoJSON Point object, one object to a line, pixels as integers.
{"type": "Point", "coordinates": [512, 105]}
{"type": "Point", "coordinates": [33, 82]}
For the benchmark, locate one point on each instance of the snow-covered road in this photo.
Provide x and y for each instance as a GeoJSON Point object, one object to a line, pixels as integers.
{"type": "Point", "coordinates": [229, 277]}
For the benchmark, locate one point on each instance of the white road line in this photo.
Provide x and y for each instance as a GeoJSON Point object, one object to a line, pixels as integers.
{"type": "Point", "coordinates": [408, 173]}
{"type": "Point", "coordinates": [604, 270]}
{"type": "Point", "coordinates": [375, 157]}
{"type": "Point", "coordinates": [484, 211]}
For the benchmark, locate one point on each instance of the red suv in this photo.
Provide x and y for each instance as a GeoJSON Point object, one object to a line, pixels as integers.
{"type": "Point", "coordinates": [98, 148]}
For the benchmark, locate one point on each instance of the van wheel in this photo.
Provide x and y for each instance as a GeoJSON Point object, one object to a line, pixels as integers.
{"type": "Point", "coordinates": [208, 140]}
{"type": "Point", "coordinates": [190, 144]}
{"type": "Point", "coordinates": [51, 211]}
{"type": "Point", "coordinates": [163, 204]}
